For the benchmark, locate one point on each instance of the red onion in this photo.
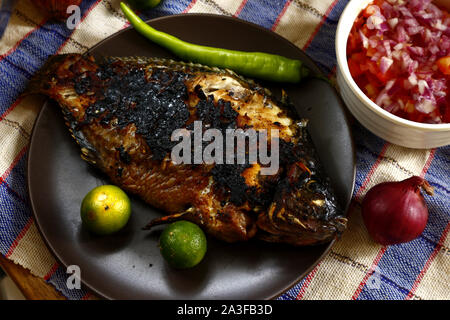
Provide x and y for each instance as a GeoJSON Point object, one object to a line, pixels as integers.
{"type": "Point", "coordinates": [396, 212]}
{"type": "Point", "coordinates": [385, 64]}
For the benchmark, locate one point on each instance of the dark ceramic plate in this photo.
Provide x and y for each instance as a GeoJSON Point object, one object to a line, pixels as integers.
{"type": "Point", "coordinates": [128, 265]}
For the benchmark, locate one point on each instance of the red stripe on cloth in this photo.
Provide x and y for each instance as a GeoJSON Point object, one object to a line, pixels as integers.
{"type": "Point", "coordinates": [428, 163]}
{"type": "Point", "coordinates": [241, 6]}
{"type": "Point", "coordinates": [320, 24]}
{"type": "Point", "coordinates": [86, 296]}
{"type": "Point", "coordinates": [189, 7]}
{"type": "Point", "coordinates": [51, 271]}
{"type": "Point", "coordinates": [11, 108]}
{"type": "Point", "coordinates": [368, 274]}
{"type": "Point", "coordinates": [79, 22]}
{"type": "Point", "coordinates": [15, 192]}
{"type": "Point", "coordinates": [307, 282]}
{"type": "Point", "coordinates": [428, 263]}
{"type": "Point", "coordinates": [3, 56]}
{"type": "Point", "coordinates": [20, 236]}
{"type": "Point", "coordinates": [275, 25]}
{"type": "Point", "coordinates": [16, 159]}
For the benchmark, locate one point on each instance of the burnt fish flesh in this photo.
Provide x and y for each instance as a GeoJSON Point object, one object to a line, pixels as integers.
{"type": "Point", "coordinates": [123, 111]}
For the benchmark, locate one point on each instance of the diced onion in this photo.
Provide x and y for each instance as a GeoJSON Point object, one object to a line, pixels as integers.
{"type": "Point", "coordinates": [405, 39]}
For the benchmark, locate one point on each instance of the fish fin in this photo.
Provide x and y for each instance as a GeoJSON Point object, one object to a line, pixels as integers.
{"type": "Point", "coordinates": [168, 219]}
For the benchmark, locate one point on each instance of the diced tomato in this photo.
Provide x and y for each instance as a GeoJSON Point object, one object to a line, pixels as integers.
{"type": "Point", "coordinates": [353, 43]}
{"type": "Point", "coordinates": [359, 23]}
{"type": "Point", "coordinates": [375, 70]}
{"type": "Point", "coordinates": [355, 70]}
{"type": "Point", "coordinates": [371, 51]}
{"type": "Point", "coordinates": [358, 57]}
{"type": "Point", "coordinates": [444, 65]}
{"type": "Point", "coordinates": [447, 111]}
{"type": "Point", "coordinates": [409, 107]}
{"type": "Point", "coordinates": [373, 79]}
{"type": "Point", "coordinates": [371, 90]}
{"type": "Point", "coordinates": [446, 115]}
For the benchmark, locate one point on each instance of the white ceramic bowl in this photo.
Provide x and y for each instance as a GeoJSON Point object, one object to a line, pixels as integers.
{"type": "Point", "coordinates": [382, 123]}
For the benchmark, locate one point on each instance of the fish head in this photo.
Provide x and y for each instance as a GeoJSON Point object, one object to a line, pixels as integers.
{"type": "Point", "coordinates": [303, 210]}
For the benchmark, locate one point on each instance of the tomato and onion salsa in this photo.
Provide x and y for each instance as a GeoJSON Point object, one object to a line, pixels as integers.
{"type": "Point", "coordinates": [398, 53]}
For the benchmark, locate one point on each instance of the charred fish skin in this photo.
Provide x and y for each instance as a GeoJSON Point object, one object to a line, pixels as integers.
{"type": "Point", "coordinates": [123, 110]}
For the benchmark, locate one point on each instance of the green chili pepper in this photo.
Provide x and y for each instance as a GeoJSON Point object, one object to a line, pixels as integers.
{"type": "Point", "coordinates": [252, 64]}
{"type": "Point", "coordinates": [144, 4]}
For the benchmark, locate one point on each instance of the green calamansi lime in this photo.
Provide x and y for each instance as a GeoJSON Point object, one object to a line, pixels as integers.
{"type": "Point", "coordinates": [144, 4]}
{"type": "Point", "coordinates": [105, 209]}
{"type": "Point", "coordinates": [183, 244]}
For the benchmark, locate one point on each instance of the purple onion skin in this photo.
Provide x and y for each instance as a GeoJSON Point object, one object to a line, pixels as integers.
{"type": "Point", "coordinates": [396, 212]}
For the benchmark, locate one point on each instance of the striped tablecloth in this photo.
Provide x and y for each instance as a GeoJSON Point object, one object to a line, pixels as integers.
{"type": "Point", "coordinates": [355, 268]}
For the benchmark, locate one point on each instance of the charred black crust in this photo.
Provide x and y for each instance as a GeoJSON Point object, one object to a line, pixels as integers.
{"type": "Point", "coordinates": [153, 103]}
{"type": "Point", "coordinates": [82, 84]}
{"type": "Point", "coordinates": [218, 115]}
{"type": "Point", "coordinates": [230, 183]}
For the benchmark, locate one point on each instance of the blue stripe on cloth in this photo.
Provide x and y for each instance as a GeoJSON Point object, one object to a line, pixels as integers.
{"type": "Point", "coordinates": [262, 12]}
{"type": "Point", "coordinates": [292, 293]}
{"type": "Point", "coordinates": [59, 279]}
{"type": "Point", "coordinates": [368, 147]}
{"type": "Point", "coordinates": [30, 55]}
{"type": "Point", "coordinates": [322, 46]}
{"type": "Point", "coordinates": [401, 264]}
{"type": "Point", "coordinates": [399, 268]}
{"type": "Point", "coordinates": [15, 212]}
{"type": "Point", "coordinates": [16, 180]}
{"type": "Point", "coordinates": [439, 204]}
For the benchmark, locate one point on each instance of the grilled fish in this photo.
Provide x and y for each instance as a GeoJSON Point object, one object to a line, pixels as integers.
{"type": "Point", "coordinates": [122, 112]}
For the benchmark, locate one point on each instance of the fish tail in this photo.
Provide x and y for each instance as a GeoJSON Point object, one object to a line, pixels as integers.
{"type": "Point", "coordinates": [40, 83]}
